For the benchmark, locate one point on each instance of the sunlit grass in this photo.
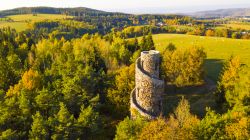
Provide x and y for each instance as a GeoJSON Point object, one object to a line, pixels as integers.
{"type": "Point", "coordinates": [19, 26]}
{"type": "Point", "coordinates": [238, 26]}
{"type": "Point", "coordinates": [217, 49]}
{"type": "Point", "coordinates": [20, 22]}
{"type": "Point", "coordinates": [38, 17]}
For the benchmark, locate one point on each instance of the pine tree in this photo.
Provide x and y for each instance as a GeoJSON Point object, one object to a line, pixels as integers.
{"type": "Point", "coordinates": [87, 122]}
{"type": "Point", "coordinates": [143, 43]}
{"type": "Point", "coordinates": [45, 101]}
{"type": "Point", "coordinates": [147, 42]}
{"type": "Point", "coordinates": [39, 130]}
{"type": "Point", "coordinates": [5, 75]}
{"type": "Point", "coordinates": [150, 42]}
{"type": "Point", "coordinates": [65, 124]}
{"type": "Point", "coordinates": [137, 47]}
{"type": "Point", "coordinates": [9, 135]}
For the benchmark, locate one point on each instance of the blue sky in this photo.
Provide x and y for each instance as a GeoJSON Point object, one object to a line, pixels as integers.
{"type": "Point", "coordinates": [132, 6]}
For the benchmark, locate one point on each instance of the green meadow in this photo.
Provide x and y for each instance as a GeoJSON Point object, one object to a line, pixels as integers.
{"type": "Point", "coordinates": [218, 49]}
{"type": "Point", "coordinates": [236, 26]}
{"type": "Point", "coordinates": [21, 22]}
{"type": "Point", "coordinates": [19, 26]}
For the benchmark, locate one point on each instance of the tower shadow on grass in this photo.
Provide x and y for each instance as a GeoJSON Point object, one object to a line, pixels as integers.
{"type": "Point", "coordinates": [213, 68]}
{"type": "Point", "coordinates": [199, 97]}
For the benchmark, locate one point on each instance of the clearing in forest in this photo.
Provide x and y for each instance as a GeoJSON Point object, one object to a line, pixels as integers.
{"type": "Point", "coordinates": [21, 22]}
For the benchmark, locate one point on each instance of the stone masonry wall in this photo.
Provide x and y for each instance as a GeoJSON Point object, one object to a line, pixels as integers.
{"type": "Point", "coordinates": [146, 98]}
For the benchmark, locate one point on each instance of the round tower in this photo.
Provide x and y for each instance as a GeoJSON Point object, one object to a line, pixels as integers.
{"type": "Point", "coordinates": [150, 62]}
{"type": "Point", "coordinates": [146, 98]}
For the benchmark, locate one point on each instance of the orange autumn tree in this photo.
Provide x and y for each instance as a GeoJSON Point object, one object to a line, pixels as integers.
{"type": "Point", "coordinates": [31, 79]}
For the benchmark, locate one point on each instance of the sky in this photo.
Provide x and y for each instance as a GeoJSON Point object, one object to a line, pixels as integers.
{"type": "Point", "coordinates": [133, 6]}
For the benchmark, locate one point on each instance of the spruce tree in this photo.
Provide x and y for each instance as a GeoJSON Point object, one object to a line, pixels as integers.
{"type": "Point", "coordinates": [143, 43]}
{"type": "Point", "coordinates": [87, 122]}
{"type": "Point", "coordinates": [147, 42]}
{"type": "Point", "coordinates": [150, 42]}
{"type": "Point", "coordinates": [39, 129]}
{"type": "Point", "coordinates": [65, 124]}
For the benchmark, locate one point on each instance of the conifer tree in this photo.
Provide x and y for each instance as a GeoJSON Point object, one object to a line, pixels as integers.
{"type": "Point", "coordinates": [39, 130]}
{"type": "Point", "coordinates": [88, 122]}
{"type": "Point", "coordinates": [136, 44]}
{"type": "Point", "coordinates": [147, 42]}
{"type": "Point", "coordinates": [143, 43]}
{"type": "Point", "coordinates": [150, 42]}
{"type": "Point", "coordinates": [9, 134]}
{"type": "Point", "coordinates": [64, 124]}
{"type": "Point", "coordinates": [45, 102]}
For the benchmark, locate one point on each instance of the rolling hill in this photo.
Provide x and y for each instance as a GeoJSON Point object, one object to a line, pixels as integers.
{"type": "Point", "coordinates": [235, 12]}
{"type": "Point", "coordinates": [51, 10]}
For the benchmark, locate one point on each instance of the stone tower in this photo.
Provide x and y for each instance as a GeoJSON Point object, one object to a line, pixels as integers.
{"type": "Point", "coordinates": [146, 98]}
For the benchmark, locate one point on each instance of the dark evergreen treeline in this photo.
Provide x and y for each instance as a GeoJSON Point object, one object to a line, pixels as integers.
{"type": "Point", "coordinates": [80, 11]}
{"type": "Point", "coordinates": [106, 23]}
{"type": "Point", "coordinates": [63, 28]}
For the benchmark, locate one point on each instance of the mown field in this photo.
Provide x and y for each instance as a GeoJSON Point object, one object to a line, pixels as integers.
{"type": "Point", "coordinates": [21, 22]}
{"type": "Point", "coordinates": [217, 49]}
{"type": "Point", "coordinates": [236, 26]}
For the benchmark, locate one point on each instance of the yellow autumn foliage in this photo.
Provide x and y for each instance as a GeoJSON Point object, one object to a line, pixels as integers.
{"type": "Point", "coordinates": [154, 130]}
{"type": "Point", "coordinates": [239, 128]}
{"type": "Point", "coordinates": [14, 90]}
{"type": "Point", "coordinates": [179, 126]}
{"type": "Point", "coordinates": [231, 72]}
{"type": "Point", "coordinates": [31, 79]}
{"type": "Point", "coordinates": [184, 67]}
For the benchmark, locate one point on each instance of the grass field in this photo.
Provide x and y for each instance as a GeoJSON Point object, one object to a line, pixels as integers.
{"type": "Point", "coordinates": [19, 26]}
{"type": "Point", "coordinates": [20, 22]}
{"type": "Point", "coordinates": [238, 26]}
{"type": "Point", "coordinates": [217, 49]}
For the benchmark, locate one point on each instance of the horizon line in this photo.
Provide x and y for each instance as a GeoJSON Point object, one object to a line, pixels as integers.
{"type": "Point", "coordinates": [142, 9]}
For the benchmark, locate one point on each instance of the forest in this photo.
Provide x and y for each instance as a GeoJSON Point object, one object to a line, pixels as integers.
{"type": "Point", "coordinates": [72, 78]}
